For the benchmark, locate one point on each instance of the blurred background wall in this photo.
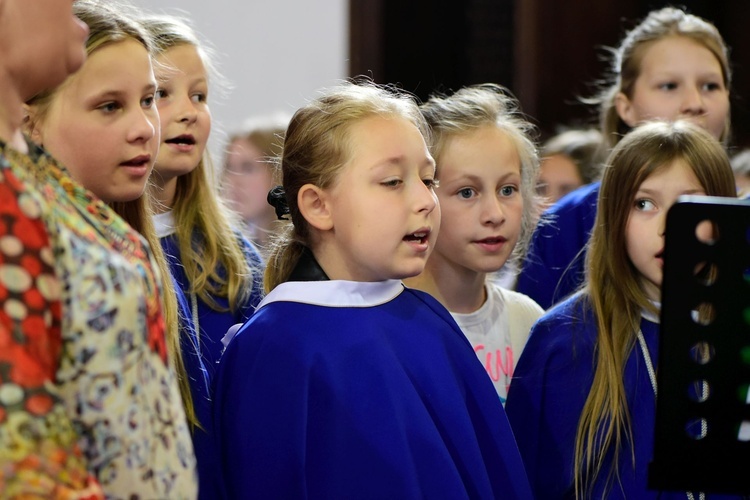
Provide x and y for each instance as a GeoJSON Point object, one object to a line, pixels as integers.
{"type": "Point", "coordinates": [273, 55]}
{"type": "Point", "coordinates": [548, 52]}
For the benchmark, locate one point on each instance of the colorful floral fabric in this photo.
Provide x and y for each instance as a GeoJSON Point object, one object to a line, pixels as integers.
{"type": "Point", "coordinates": [86, 396]}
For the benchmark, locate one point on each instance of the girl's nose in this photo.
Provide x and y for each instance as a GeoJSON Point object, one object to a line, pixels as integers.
{"type": "Point", "coordinates": [493, 213]}
{"type": "Point", "coordinates": [692, 103]}
{"type": "Point", "coordinates": [143, 128]}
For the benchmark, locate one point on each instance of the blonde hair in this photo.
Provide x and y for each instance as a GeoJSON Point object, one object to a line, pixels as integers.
{"type": "Point", "coordinates": [111, 22]}
{"type": "Point", "coordinates": [613, 294]}
{"type": "Point", "coordinates": [489, 104]}
{"type": "Point", "coordinates": [626, 62]}
{"type": "Point", "coordinates": [316, 149]}
{"type": "Point", "coordinates": [210, 250]}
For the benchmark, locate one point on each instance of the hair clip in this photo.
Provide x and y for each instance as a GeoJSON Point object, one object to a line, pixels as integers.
{"type": "Point", "coordinates": [277, 199]}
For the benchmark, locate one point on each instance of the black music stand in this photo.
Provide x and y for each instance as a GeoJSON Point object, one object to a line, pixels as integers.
{"type": "Point", "coordinates": [702, 435]}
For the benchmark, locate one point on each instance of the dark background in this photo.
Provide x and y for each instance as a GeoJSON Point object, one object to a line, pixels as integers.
{"type": "Point", "coordinates": [547, 52]}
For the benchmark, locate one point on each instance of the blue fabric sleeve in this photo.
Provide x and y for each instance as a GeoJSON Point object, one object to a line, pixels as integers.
{"type": "Point", "coordinates": [554, 265]}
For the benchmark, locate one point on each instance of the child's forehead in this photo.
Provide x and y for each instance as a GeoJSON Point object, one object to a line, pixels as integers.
{"type": "Point", "coordinates": [104, 66]}
{"type": "Point", "coordinates": [182, 57]}
{"type": "Point", "coordinates": [479, 132]}
{"type": "Point", "coordinates": [477, 140]}
{"type": "Point", "coordinates": [671, 169]}
{"type": "Point", "coordinates": [384, 133]}
{"type": "Point", "coordinates": [378, 143]}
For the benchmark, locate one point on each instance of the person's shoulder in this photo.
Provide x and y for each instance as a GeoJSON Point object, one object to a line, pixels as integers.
{"type": "Point", "coordinates": [573, 212]}
{"type": "Point", "coordinates": [431, 303]}
{"type": "Point", "coordinates": [26, 188]}
{"type": "Point", "coordinates": [570, 313]}
{"type": "Point", "coordinates": [273, 329]}
{"type": "Point", "coordinates": [427, 299]}
{"type": "Point", "coordinates": [564, 329]}
{"type": "Point", "coordinates": [15, 174]}
{"type": "Point", "coordinates": [516, 300]}
{"type": "Point", "coordinates": [420, 295]}
{"type": "Point", "coordinates": [579, 199]}
{"type": "Point", "coordinates": [278, 319]}
{"type": "Point", "coordinates": [14, 181]}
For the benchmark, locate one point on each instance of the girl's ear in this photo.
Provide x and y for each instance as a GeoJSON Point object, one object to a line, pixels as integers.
{"type": "Point", "coordinates": [624, 108]}
{"type": "Point", "coordinates": [315, 207]}
{"type": "Point", "coordinates": [30, 125]}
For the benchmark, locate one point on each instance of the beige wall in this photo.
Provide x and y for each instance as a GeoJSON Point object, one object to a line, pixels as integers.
{"type": "Point", "coordinates": [274, 54]}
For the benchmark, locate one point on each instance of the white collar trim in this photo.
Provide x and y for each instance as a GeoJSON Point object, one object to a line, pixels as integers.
{"type": "Point", "coordinates": [164, 224]}
{"type": "Point", "coordinates": [335, 293]}
{"type": "Point", "coordinates": [648, 315]}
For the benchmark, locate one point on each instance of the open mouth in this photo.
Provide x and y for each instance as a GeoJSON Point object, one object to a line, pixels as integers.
{"type": "Point", "coordinates": [492, 241]}
{"type": "Point", "coordinates": [419, 237]}
{"type": "Point", "coordinates": [138, 161]}
{"type": "Point", "coordinates": [183, 140]}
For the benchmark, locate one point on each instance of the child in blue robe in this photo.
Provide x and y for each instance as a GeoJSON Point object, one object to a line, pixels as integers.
{"type": "Point", "coordinates": [345, 383]}
{"type": "Point", "coordinates": [582, 404]}
{"type": "Point", "coordinates": [645, 83]}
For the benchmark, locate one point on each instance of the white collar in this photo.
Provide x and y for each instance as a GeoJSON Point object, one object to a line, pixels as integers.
{"type": "Point", "coordinates": [164, 224]}
{"type": "Point", "coordinates": [335, 293]}
{"type": "Point", "coordinates": [648, 315]}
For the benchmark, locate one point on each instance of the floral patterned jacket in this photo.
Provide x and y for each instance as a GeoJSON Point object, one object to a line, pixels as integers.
{"type": "Point", "coordinates": [88, 403]}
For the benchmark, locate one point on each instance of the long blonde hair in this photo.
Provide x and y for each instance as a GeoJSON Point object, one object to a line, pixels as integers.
{"type": "Point", "coordinates": [111, 22]}
{"type": "Point", "coordinates": [613, 294]}
{"type": "Point", "coordinates": [210, 250]}
{"type": "Point", "coordinates": [317, 147]}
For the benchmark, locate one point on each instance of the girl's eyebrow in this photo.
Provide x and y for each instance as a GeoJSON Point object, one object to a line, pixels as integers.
{"type": "Point", "coordinates": [651, 192]}
{"type": "Point", "coordinates": [400, 160]}
{"type": "Point", "coordinates": [121, 94]}
{"type": "Point", "coordinates": [198, 81]}
{"type": "Point", "coordinates": [646, 190]}
{"type": "Point", "coordinates": [476, 178]}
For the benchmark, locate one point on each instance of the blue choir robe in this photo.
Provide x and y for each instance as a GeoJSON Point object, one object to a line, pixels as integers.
{"type": "Point", "coordinates": [209, 477]}
{"type": "Point", "coordinates": [214, 324]}
{"type": "Point", "coordinates": [554, 266]}
{"type": "Point", "coordinates": [338, 389]}
{"type": "Point", "coordinates": [546, 397]}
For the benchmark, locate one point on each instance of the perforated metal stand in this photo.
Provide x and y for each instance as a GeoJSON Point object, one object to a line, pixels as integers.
{"type": "Point", "coordinates": [703, 412]}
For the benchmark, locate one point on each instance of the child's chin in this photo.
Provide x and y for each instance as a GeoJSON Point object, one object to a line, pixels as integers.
{"type": "Point", "coordinates": [409, 274]}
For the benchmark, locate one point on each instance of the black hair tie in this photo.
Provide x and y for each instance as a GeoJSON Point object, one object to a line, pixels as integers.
{"type": "Point", "coordinates": [277, 199]}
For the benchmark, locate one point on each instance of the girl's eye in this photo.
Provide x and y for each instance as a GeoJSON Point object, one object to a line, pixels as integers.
{"type": "Point", "coordinates": [148, 101]}
{"type": "Point", "coordinates": [198, 98]}
{"type": "Point", "coordinates": [712, 87]}
{"type": "Point", "coordinates": [465, 193]}
{"type": "Point", "coordinates": [508, 190]}
{"type": "Point", "coordinates": [668, 86]}
{"type": "Point", "coordinates": [109, 107]}
{"type": "Point", "coordinates": [431, 183]}
{"type": "Point", "coordinates": [160, 94]}
{"type": "Point", "coordinates": [644, 205]}
{"type": "Point", "coordinates": [392, 183]}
